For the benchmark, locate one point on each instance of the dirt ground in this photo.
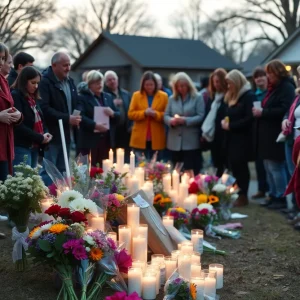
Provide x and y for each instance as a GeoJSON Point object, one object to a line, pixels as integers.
{"type": "Point", "coordinates": [264, 264]}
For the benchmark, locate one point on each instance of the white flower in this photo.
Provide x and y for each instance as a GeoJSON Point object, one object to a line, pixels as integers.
{"type": "Point", "coordinates": [46, 227]}
{"type": "Point", "coordinates": [68, 196]}
{"type": "Point", "coordinates": [91, 207]}
{"type": "Point", "coordinates": [87, 249]}
{"type": "Point", "coordinates": [219, 188]}
{"type": "Point", "coordinates": [206, 206]}
{"type": "Point", "coordinates": [89, 240]}
{"type": "Point", "coordinates": [37, 234]}
{"type": "Point", "coordinates": [77, 205]}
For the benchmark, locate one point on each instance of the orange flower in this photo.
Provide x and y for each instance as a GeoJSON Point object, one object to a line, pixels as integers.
{"type": "Point", "coordinates": [193, 291]}
{"type": "Point", "coordinates": [58, 228]}
{"type": "Point", "coordinates": [33, 231]}
{"type": "Point", "coordinates": [157, 198]}
{"type": "Point", "coordinates": [213, 199]}
{"type": "Point", "coordinates": [165, 200]}
{"type": "Point", "coordinates": [96, 254]}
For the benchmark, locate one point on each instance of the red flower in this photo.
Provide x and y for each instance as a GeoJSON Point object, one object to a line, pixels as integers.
{"type": "Point", "coordinates": [95, 171]}
{"type": "Point", "coordinates": [193, 189]}
{"type": "Point", "coordinates": [53, 210]}
{"type": "Point", "coordinates": [64, 213]}
{"type": "Point", "coordinates": [52, 189]}
{"type": "Point", "coordinates": [204, 211]}
{"type": "Point", "coordinates": [124, 261]}
{"type": "Point", "coordinates": [78, 217]}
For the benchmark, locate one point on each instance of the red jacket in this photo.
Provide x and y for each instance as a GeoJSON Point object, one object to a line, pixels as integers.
{"type": "Point", "coordinates": [6, 131]}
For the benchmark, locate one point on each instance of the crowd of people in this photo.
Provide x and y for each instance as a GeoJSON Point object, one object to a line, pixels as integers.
{"type": "Point", "coordinates": [235, 120]}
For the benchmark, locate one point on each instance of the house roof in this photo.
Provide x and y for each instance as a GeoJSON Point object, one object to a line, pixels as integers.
{"type": "Point", "coordinates": [251, 63]}
{"type": "Point", "coordinates": [283, 46]}
{"type": "Point", "coordinates": [156, 52]}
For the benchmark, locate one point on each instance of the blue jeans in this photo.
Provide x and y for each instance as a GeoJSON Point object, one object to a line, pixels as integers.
{"type": "Point", "coordinates": [289, 159]}
{"type": "Point", "coordinates": [54, 154]}
{"type": "Point", "coordinates": [261, 176]}
{"type": "Point", "coordinates": [31, 153]}
{"type": "Point", "coordinates": [276, 176]}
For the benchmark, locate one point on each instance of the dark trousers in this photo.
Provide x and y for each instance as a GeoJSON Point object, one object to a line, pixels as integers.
{"type": "Point", "coordinates": [240, 171]}
{"type": "Point", "coordinates": [261, 176]}
{"type": "Point", "coordinates": [4, 170]}
{"type": "Point", "coordinates": [218, 159]}
{"type": "Point", "coordinates": [191, 159]}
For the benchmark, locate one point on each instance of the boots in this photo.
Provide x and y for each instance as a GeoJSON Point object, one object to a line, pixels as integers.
{"type": "Point", "coordinates": [278, 203]}
{"type": "Point", "coordinates": [242, 200]}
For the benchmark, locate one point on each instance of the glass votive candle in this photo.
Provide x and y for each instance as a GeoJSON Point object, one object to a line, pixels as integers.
{"type": "Point", "coordinates": [199, 282]}
{"type": "Point", "coordinates": [149, 285]}
{"type": "Point", "coordinates": [157, 257]}
{"type": "Point", "coordinates": [187, 247]}
{"type": "Point", "coordinates": [197, 240]}
{"type": "Point", "coordinates": [156, 269]}
{"type": "Point", "coordinates": [168, 220]}
{"type": "Point", "coordinates": [195, 270]}
{"type": "Point", "coordinates": [210, 283]}
{"type": "Point", "coordinates": [196, 257]}
{"type": "Point", "coordinates": [135, 281]}
{"type": "Point", "coordinates": [171, 265]}
{"type": "Point", "coordinates": [179, 246]}
{"type": "Point", "coordinates": [184, 266]}
{"type": "Point", "coordinates": [175, 253]}
{"type": "Point", "coordinates": [219, 269]}
{"type": "Point", "coordinates": [112, 235]}
{"type": "Point", "coordinates": [139, 264]}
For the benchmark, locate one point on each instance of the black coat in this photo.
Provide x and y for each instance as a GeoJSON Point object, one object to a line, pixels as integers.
{"type": "Point", "coordinates": [24, 135]}
{"type": "Point", "coordinates": [12, 76]}
{"type": "Point", "coordinates": [269, 124]}
{"type": "Point", "coordinates": [54, 104]}
{"type": "Point", "coordinates": [87, 138]}
{"type": "Point", "coordinates": [238, 139]}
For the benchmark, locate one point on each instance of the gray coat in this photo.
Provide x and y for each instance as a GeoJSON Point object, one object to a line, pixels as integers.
{"type": "Point", "coordinates": [185, 137]}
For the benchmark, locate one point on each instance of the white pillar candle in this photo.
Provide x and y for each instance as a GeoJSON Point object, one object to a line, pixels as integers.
{"type": "Point", "coordinates": [171, 264]}
{"type": "Point", "coordinates": [149, 286]}
{"type": "Point", "coordinates": [174, 196]}
{"type": "Point", "coordinates": [143, 231]}
{"type": "Point", "coordinates": [179, 247]}
{"type": "Point", "coordinates": [187, 248]}
{"type": "Point", "coordinates": [140, 174]}
{"type": "Point", "coordinates": [139, 248]}
{"type": "Point", "coordinates": [162, 268]}
{"type": "Point", "coordinates": [125, 237]}
{"type": "Point", "coordinates": [195, 270]}
{"type": "Point", "coordinates": [120, 159]}
{"type": "Point", "coordinates": [197, 240]}
{"type": "Point", "coordinates": [185, 178]}
{"type": "Point", "coordinates": [168, 220]}
{"type": "Point", "coordinates": [149, 193]}
{"type": "Point", "coordinates": [135, 281]}
{"type": "Point", "coordinates": [132, 162]}
{"type": "Point", "coordinates": [219, 269]}
{"type": "Point", "coordinates": [133, 217]}
{"type": "Point", "coordinates": [112, 235]}
{"type": "Point", "coordinates": [210, 283]}
{"type": "Point", "coordinates": [106, 166]}
{"type": "Point", "coordinates": [134, 184]}
{"type": "Point", "coordinates": [156, 269]}
{"type": "Point", "coordinates": [184, 266]}
{"type": "Point", "coordinates": [167, 186]}
{"type": "Point", "coordinates": [190, 202]}
{"type": "Point", "coordinates": [183, 193]}
{"type": "Point", "coordinates": [97, 223]}
{"type": "Point", "coordinates": [196, 258]}
{"type": "Point", "coordinates": [175, 181]}
{"type": "Point", "coordinates": [175, 254]}
{"type": "Point", "coordinates": [139, 264]}
{"type": "Point", "coordinates": [111, 156]}
{"type": "Point", "coordinates": [126, 168]}
{"type": "Point", "coordinates": [150, 189]}
{"type": "Point", "coordinates": [199, 282]}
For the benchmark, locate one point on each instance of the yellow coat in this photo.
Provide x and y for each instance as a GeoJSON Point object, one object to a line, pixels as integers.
{"type": "Point", "coordinates": [136, 113]}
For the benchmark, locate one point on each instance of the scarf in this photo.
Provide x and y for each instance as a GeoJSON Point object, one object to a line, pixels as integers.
{"type": "Point", "coordinates": [209, 125]}
{"type": "Point", "coordinates": [294, 184]}
{"type": "Point", "coordinates": [38, 124]}
{"type": "Point", "coordinates": [268, 95]}
{"type": "Point", "coordinates": [291, 117]}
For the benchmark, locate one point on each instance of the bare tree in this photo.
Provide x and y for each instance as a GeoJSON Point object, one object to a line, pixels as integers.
{"type": "Point", "coordinates": [187, 21]}
{"type": "Point", "coordinates": [19, 22]}
{"type": "Point", "coordinates": [79, 29]}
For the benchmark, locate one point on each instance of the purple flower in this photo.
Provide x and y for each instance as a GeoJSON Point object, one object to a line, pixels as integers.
{"type": "Point", "coordinates": [79, 252]}
{"type": "Point", "coordinates": [72, 244]}
{"type": "Point", "coordinates": [178, 281]}
{"type": "Point", "coordinates": [113, 189]}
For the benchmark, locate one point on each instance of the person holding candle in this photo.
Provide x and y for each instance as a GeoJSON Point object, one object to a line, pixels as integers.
{"type": "Point", "coordinates": [146, 110]}
{"type": "Point", "coordinates": [97, 143]}
{"type": "Point", "coordinates": [183, 115]}
{"type": "Point", "coordinates": [238, 130]}
{"type": "Point", "coordinates": [30, 136]}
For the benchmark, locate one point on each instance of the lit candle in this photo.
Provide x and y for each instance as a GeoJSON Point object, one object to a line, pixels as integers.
{"type": "Point", "coordinates": [120, 159]}
{"type": "Point", "coordinates": [171, 264]}
{"type": "Point", "coordinates": [127, 172]}
{"type": "Point", "coordinates": [167, 186]}
{"type": "Point", "coordinates": [139, 248]}
{"type": "Point", "coordinates": [199, 282]}
{"type": "Point", "coordinates": [185, 178]}
{"type": "Point", "coordinates": [179, 246]}
{"type": "Point", "coordinates": [45, 204]}
{"type": "Point", "coordinates": [133, 217]}
{"type": "Point", "coordinates": [219, 269]}
{"type": "Point", "coordinates": [190, 202]}
{"type": "Point", "coordinates": [175, 254]}
{"type": "Point", "coordinates": [195, 270]}
{"type": "Point", "coordinates": [132, 162]}
{"type": "Point", "coordinates": [138, 264]}
{"type": "Point", "coordinates": [143, 231]}
{"type": "Point", "coordinates": [149, 286]}
{"type": "Point", "coordinates": [184, 266]}
{"type": "Point", "coordinates": [111, 156]}
{"type": "Point", "coordinates": [106, 166]}
{"type": "Point", "coordinates": [174, 196]}
{"type": "Point", "coordinates": [162, 268]}
{"type": "Point", "coordinates": [97, 223]}
{"type": "Point", "coordinates": [156, 269]}
{"type": "Point", "coordinates": [175, 180]}
{"type": "Point", "coordinates": [112, 235]}
{"type": "Point", "coordinates": [197, 240]}
{"type": "Point", "coordinates": [196, 258]}
{"type": "Point", "coordinates": [126, 168]}
{"type": "Point", "coordinates": [187, 247]}
{"type": "Point", "coordinates": [125, 237]}
{"type": "Point", "coordinates": [134, 184]}
{"type": "Point", "coordinates": [135, 281]}
{"type": "Point", "coordinates": [183, 193]}
{"type": "Point", "coordinates": [210, 283]}
{"type": "Point", "coordinates": [140, 174]}
{"type": "Point", "coordinates": [168, 220]}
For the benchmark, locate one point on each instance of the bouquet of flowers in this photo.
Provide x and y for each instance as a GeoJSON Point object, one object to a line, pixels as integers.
{"type": "Point", "coordinates": [162, 203]}
{"type": "Point", "coordinates": [20, 195]}
{"type": "Point", "coordinates": [123, 296]}
{"type": "Point", "coordinates": [180, 289]}
{"type": "Point", "coordinates": [114, 204]}
{"type": "Point", "coordinates": [203, 184]}
{"type": "Point", "coordinates": [203, 215]}
{"type": "Point", "coordinates": [181, 216]}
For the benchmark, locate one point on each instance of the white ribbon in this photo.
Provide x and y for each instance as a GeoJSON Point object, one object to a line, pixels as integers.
{"type": "Point", "coordinates": [20, 243]}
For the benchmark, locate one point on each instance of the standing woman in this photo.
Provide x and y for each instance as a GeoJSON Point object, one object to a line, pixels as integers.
{"type": "Point", "coordinates": [212, 131]}
{"type": "Point", "coordinates": [184, 114]}
{"type": "Point", "coordinates": [94, 137]}
{"type": "Point", "coordinates": [147, 109]}
{"type": "Point", "coordinates": [29, 136]}
{"type": "Point", "coordinates": [9, 116]}
{"type": "Point", "coordinates": [238, 130]}
{"type": "Point", "coordinates": [279, 97]}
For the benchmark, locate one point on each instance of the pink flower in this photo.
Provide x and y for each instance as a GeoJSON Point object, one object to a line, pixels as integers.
{"type": "Point", "coordinates": [204, 211]}
{"type": "Point", "coordinates": [79, 252]}
{"type": "Point", "coordinates": [123, 260]}
{"type": "Point", "coordinates": [70, 245]}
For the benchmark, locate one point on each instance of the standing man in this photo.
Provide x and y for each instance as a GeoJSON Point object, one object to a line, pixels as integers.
{"type": "Point", "coordinates": [59, 97]}
{"type": "Point", "coordinates": [21, 60]}
{"type": "Point", "coordinates": [122, 130]}
{"type": "Point", "coordinates": [6, 68]}
{"type": "Point", "coordinates": [261, 83]}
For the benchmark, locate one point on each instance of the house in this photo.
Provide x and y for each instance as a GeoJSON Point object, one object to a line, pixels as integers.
{"type": "Point", "coordinates": [251, 63]}
{"type": "Point", "coordinates": [131, 56]}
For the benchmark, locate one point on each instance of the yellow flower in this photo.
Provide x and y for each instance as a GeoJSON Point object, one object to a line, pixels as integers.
{"type": "Point", "coordinates": [213, 199]}
{"type": "Point", "coordinates": [96, 254]}
{"type": "Point", "coordinates": [142, 164]}
{"type": "Point", "coordinates": [181, 210]}
{"type": "Point", "coordinates": [33, 231]}
{"type": "Point", "coordinates": [157, 198]}
{"type": "Point", "coordinates": [119, 197]}
{"type": "Point", "coordinates": [193, 291]}
{"type": "Point", "coordinates": [58, 228]}
{"type": "Point", "coordinates": [202, 198]}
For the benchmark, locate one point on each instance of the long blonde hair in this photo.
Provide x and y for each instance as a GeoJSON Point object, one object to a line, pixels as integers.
{"type": "Point", "coordinates": [184, 77]}
{"type": "Point", "coordinates": [239, 81]}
